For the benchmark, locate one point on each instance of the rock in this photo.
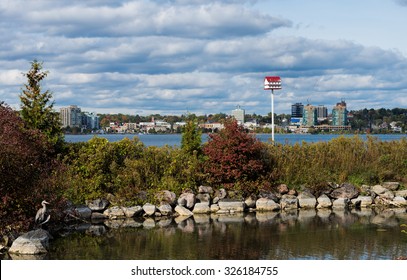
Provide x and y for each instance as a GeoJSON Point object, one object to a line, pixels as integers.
{"type": "Point", "coordinates": [115, 212]}
{"type": "Point", "coordinates": [402, 193]}
{"type": "Point", "coordinates": [166, 197]}
{"type": "Point", "coordinates": [346, 190]}
{"type": "Point", "coordinates": [221, 194]}
{"type": "Point", "coordinates": [365, 201]}
{"type": "Point", "coordinates": [182, 211]}
{"type": "Point", "coordinates": [82, 212]}
{"type": "Point", "coordinates": [306, 200]}
{"type": "Point", "coordinates": [324, 201]}
{"type": "Point", "coordinates": [288, 202]}
{"type": "Point", "coordinates": [132, 211]}
{"type": "Point", "coordinates": [98, 205]}
{"type": "Point", "coordinates": [149, 209]}
{"type": "Point", "coordinates": [203, 197]}
{"type": "Point", "coordinates": [383, 192]}
{"type": "Point", "coordinates": [265, 204]}
{"type": "Point", "coordinates": [270, 195]}
{"type": "Point", "coordinates": [201, 208]}
{"type": "Point", "coordinates": [386, 218]}
{"type": "Point", "coordinates": [399, 201]}
{"type": "Point", "coordinates": [282, 189]}
{"type": "Point", "coordinates": [392, 186]}
{"type": "Point", "coordinates": [250, 201]}
{"type": "Point", "coordinates": [205, 189]}
{"type": "Point", "coordinates": [165, 209]}
{"type": "Point", "coordinates": [31, 243]}
{"type": "Point", "coordinates": [292, 192]}
{"type": "Point", "coordinates": [214, 208]}
{"type": "Point", "coordinates": [231, 205]}
{"type": "Point", "coordinates": [215, 200]}
{"type": "Point", "coordinates": [187, 200]}
{"type": "Point", "coordinates": [98, 216]}
{"type": "Point", "coordinates": [340, 203]}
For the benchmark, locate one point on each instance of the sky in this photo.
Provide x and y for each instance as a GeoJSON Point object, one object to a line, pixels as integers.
{"type": "Point", "coordinates": [173, 57]}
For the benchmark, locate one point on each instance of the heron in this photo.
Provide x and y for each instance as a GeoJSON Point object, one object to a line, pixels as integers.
{"type": "Point", "coordinates": [41, 217]}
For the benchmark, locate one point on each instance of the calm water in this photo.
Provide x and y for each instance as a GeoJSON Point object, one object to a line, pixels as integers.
{"type": "Point", "coordinates": [175, 139]}
{"type": "Point", "coordinates": [304, 234]}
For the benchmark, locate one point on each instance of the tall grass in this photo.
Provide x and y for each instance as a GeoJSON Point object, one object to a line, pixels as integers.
{"type": "Point", "coordinates": [342, 159]}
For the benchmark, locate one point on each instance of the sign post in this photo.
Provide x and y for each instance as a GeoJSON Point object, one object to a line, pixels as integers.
{"type": "Point", "coordinates": [272, 83]}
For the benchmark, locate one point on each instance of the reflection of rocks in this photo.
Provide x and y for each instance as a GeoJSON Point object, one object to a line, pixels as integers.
{"type": "Point", "coordinates": [324, 214]}
{"type": "Point", "coordinates": [149, 223]}
{"type": "Point", "coordinates": [238, 218]}
{"type": "Point", "coordinates": [202, 219]}
{"type": "Point", "coordinates": [131, 223]}
{"type": "Point", "coordinates": [31, 243]}
{"type": "Point", "coordinates": [187, 225]}
{"type": "Point", "coordinates": [289, 215]}
{"type": "Point", "coordinates": [386, 218]}
{"type": "Point", "coordinates": [96, 230]}
{"type": "Point", "coordinates": [306, 215]}
{"type": "Point", "coordinates": [114, 224]}
{"type": "Point", "coordinates": [164, 222]}
{"type": "Point", "coordinates": [264, 217]}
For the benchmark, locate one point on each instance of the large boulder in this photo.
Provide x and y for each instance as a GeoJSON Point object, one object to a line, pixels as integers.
{"type": "Point", "coordinates": [132, 211]}
{"type": "Point", "coordinates": [392, 186]}
{"type": "Point", "coordinates": [250, 201]}
{"type": "Point", "coordinates": [166, 197]}
{"type": "Point", "coordinates": [402, 193]}
{"type": "Point", "coordinates": [231, 205]}
{"type": "Point", "coordinates": [182, 211]}
{"type": "Point", "coordinates": [165, 209]}
{"type": "Point", "coordinates": [187, 200]}
{"type": "Point", "coordinates": [383, 192]}
{"type": "Point", "coordinates": [31, 243]}
{"type": "Point", "coordinates": [98, 205]}
{"type": "Point", "coordinates": [201, 208]}
{"type": "Point", "coordinates": [203, 197]}
{"type": "Point", "coordinates": [282, 189]}
{"type": "Point", "coordinates": [341, 203]}
{"type": "Point", "coordinates": [345, 190]}
{"type": "Point", "coordinates": [324, 201]}
{"type": "Point", "coordinates": [266, 204]}
{"type": "Point", "coordinates": [363, 201]}
{"type": "Point", "coordinates": [288, 202]}
{"type": "Point", "coordinates": [115, 212]}
{"type": "Point", "coordinates": [205, 189]}
{"type": "Point", "coordinates": [82, 212]}
{"type": "Point", "coordinates": [306, 200]}
{"type": "Point", "coordinates": [149, 209]}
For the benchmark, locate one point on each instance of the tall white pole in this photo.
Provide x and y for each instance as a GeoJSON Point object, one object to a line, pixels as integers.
{"type": "Point", "coordinates": [272, 115]}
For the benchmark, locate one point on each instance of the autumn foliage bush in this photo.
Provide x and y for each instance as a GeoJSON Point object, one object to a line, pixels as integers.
{"type": "Point", "coordinates": [233, 157]}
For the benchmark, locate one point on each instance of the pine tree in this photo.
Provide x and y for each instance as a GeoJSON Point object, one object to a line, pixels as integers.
{"type": "Point", "coordinates": [37, 108]}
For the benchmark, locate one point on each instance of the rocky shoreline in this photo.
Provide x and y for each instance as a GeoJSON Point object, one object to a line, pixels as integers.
{"type": "Point", "coordinates": [209, 202]}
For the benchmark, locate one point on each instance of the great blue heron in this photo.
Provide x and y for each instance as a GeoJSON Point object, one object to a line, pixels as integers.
{"type": "Point", "coordinates": [41, 217]}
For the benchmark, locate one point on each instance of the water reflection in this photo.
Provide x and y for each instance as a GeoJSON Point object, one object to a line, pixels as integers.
{"type": "Point", "coordinates": [304, 234]}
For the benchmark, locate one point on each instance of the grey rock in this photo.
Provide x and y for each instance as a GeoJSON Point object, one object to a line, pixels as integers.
{"type": "Point", "coordinates": [165, 209]}
{"type": "Point", "coordinates": [221, 193]}
{"type": "Point", "coordinates": [402, 193]}
{"type": "Point", "coordinates": [98, 205]}
{"type": "Point", "coordinates": [266, 216]}
{"type": "Point", "coordinates": [270, 195]}
{"type": "Point", "coordinates": [214, 208]}
{"type": "Point", "coordinates": [205, 189]}
{"type": "Point", "coordinates": [215, 200]}
{"type": "Point", "coordinates": [166, 197]}
{"type": "Point", "coordinates": [115, 212]}
{"type": "Point", "coordinates": [130, 223]}
{"type": "Point", "coordinates": [392, 186]}
{"type": "Point", "coordinates": [98, 216]}
{"type": "Point", "coordinates": [324, 201]}
{"type": "Point", "coordinates": [82, 212]}
{"type": "Point", "coordinates": [132, 211]}
{"type": "Point", "coordinates": [345, 190]}
{"type": "Point", "coordinates": [306, 200]}
{"type": "Point", "coordinates": [31, 243]}
{"type": "Point", "coordinates": [383, 192]}
{"type": "Point", "coordinates": [265, 204]}
{"type": "Point", "coordinates": [250, 201]}
{"type": "Point", "coordinates": [203, 197]}
{"type": "Point", "coordinates": [231, 205]}
{"type": "Point", "coordinates": [149, 209]}
{"type": "Point", "coordinates": [283, 189]}
{"type": "Point", "coordinates": [341, 203]}
{"type": "Point", "coordinates": [187, 200]}
{"type": "Point", "coordinates": [182, 211]}
{"type": "Point", "coordinates": [288, 202]}
{"type": "Point", "coordinates": [365, 201]}
{"type": "Point", "coordinates": [201, 208]}
{"type": "Point", "coordinates": [399, 201]}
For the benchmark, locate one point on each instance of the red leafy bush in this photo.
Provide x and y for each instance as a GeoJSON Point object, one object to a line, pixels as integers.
{"type": "Point", "coordinates": [233, 156]}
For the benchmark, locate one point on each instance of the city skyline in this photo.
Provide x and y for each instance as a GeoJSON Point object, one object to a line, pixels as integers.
{"type": "Point", "coordinates": [205, 57]}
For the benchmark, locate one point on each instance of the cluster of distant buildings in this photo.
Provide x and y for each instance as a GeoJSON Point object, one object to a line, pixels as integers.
{"type": "Point", "coordinates": [73, 117]}
{"type": "Point", "coordinates": [303, 117]}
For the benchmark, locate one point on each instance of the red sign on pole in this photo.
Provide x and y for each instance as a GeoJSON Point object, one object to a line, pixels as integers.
{"type": "Point", "coordinates": [272, 82]}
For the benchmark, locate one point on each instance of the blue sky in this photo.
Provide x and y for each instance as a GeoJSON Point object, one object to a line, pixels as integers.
{"type": "Point", "coordinates": [203, 56]}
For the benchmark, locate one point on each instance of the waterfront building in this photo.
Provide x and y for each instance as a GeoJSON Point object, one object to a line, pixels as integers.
{"type": "Point", "coordinates": [71, 116]}
{"type": "Point", "coordinates": [238, 114]}
{"type": "Point", "coordinates": [90, 121]}
{"type": "Point", "coordinates": [322, 112]}
{"type": "Point", "coordinates": [340, 114]}
{"type": "Point", "coordinates": [309, 117]}
{"type": "Point", "coordinates": [297, 111]}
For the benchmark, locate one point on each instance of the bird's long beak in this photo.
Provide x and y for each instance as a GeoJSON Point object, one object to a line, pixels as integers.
{"type": "Point", "coordinates": [46, 202]}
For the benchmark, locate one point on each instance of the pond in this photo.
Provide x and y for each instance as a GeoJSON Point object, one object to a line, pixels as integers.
{"type": "Point", "coordinates": [366, 234]}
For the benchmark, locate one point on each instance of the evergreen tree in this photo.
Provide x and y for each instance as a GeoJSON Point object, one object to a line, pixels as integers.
{"type": "Point", "coordinates": [37, 108]}
{"type": "Point", "coordinates": [191, 137]}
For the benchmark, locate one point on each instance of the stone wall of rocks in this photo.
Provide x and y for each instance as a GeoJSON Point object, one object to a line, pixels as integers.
{"type": "Point", "coordinates": [207, 200]}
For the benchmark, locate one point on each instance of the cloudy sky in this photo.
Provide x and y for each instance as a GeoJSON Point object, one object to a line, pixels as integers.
{"type": "Point", "coordinates": [204, 56]}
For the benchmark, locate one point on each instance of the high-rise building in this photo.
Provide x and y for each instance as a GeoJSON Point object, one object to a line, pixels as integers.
{"type": "Point", "coordinates": [71, 116]}
{"type": "Point", "coordinates": [297, 110]}
{"type": "Point", "coordinates": [322, 112]}
{"type": "Point", "coordinates": [238, 114]}
{"type": "Point", "coordinates": [90, 121]}
{"type": "Point", "coordinates": [309, 117]}
{"type": "Point", "coordinates": [340, 114]}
